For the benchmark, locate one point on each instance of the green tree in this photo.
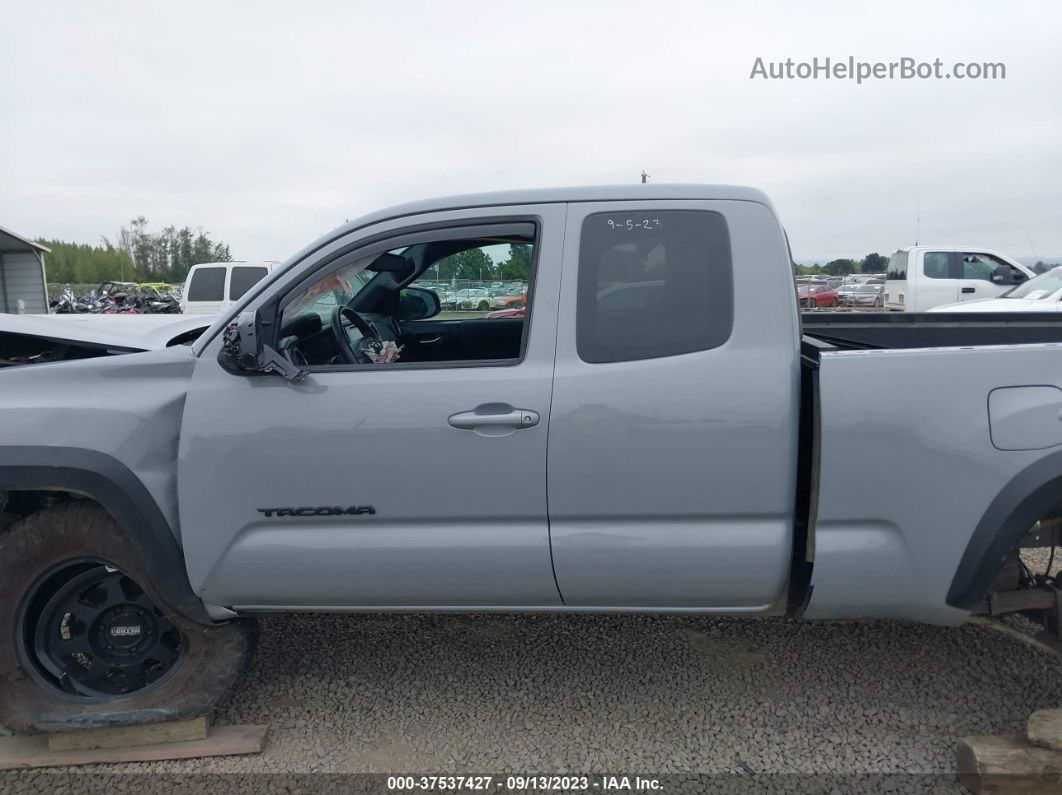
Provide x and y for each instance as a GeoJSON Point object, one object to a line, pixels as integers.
{"type": "Point", "coordinates": [839, 267]}
{"type": "Point", "coordinates": [138, 256]}
{"type": "Point", "coordinates": [874, 263]}
{"type": "Point", "coordinates": [518, 266]}
{"type": "Point", "coordinates": [473, 264]}
{"type": "Point", "coordinates": [167, 255]}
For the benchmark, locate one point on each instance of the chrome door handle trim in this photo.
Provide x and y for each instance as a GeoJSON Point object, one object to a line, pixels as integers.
{"type": "Point", "coordinates": [517, 418]}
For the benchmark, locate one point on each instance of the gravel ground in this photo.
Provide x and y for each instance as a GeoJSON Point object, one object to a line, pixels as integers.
{"type": "Point", "coordinates": [445, 694]}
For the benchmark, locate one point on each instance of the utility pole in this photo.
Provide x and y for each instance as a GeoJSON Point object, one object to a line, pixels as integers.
{"type": "Point", "coordinates": [645, 176]}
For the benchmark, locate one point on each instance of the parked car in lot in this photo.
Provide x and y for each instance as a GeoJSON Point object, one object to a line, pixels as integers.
{"type": "Point", "coordinates": [476, 298]}
{"type": "Point", "coordinates": [214, 286]}
{"type": "Point", "coordinates": [1041, 293]}
{"type": "Point", "coordinates": [668, 435]}
{"type": "Point", "coordinates": [919, 278]}
{"type": "Point", "coordinates": [865, 294]}
{"type": "Point", "coordinates": [816, 296]}
{"type": "Point", "coordinates": [509, 298]}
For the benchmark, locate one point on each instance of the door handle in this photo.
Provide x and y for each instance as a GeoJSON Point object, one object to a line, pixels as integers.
{"type": "Point", "coordinates": [969, 289]}
{"type": "Point", "coordinates": [487, 416]}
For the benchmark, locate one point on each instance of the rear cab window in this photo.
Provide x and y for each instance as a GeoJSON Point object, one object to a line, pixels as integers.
{"type": "Point", "coordinates": [897, 270]}
{"type": "Point", "coordinates": [207, 284]}
{"type": "Point", "coordinates": [653, 284]}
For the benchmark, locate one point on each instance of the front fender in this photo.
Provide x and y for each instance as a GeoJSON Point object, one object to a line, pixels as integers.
{"type": "Point", "coordinates": [111, 484]}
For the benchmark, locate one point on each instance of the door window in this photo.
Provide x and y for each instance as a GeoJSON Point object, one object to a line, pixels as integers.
{"type": "Point", "coordinates": [651, 285]}
{"type": "Point", "coordinates": [478, 313]}
{"type": "Point", "coordinates": [984, 267]}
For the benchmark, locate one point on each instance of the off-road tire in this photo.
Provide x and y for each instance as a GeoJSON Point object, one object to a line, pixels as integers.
{"type": "Point", "coordinates": [214, 660]}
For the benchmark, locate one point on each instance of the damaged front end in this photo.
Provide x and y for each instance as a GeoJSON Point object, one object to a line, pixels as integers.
{"type": "Point", "coordinates": [20, 349]}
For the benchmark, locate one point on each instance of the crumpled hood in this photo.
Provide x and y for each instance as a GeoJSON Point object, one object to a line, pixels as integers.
{"type": "Point", "coordinates": [119, 332]}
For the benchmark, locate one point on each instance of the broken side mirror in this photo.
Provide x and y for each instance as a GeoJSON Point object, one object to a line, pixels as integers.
{"type": "Point", "coordinates": [243, 351]}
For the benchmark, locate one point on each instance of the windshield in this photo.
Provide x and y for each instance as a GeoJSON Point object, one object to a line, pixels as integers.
{"type": "Point", "coordinates": [1039, 287]}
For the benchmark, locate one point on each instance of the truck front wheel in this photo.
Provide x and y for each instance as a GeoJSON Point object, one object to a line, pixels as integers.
{"type": "Point", "coordinates": [94, 644]}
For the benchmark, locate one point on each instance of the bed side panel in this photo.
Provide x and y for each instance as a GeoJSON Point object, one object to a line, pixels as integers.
{"type": "Point", "coordinates": [908, 469]}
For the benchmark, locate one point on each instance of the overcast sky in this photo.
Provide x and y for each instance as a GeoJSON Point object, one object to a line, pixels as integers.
{"type": "Point", "coordinates": [269, 123]}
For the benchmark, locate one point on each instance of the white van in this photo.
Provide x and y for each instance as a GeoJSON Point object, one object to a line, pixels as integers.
{"type": "Point", "coordinates": [214, 286]}
{"type": "Point", "coordinates": [921, 277]}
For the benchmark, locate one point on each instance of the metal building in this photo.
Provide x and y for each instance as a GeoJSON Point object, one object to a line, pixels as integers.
{"type": "Point", "coordinates": [23, 287]}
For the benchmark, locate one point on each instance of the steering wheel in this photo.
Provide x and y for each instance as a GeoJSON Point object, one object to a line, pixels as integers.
{"type": "Point", "coordinates": [342, 317]}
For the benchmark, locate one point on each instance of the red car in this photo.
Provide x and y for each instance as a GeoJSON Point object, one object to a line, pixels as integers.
{"type": "Point", "coordinates": [506, 313]}
{"type": "Point", "coordinates": [813, 296]}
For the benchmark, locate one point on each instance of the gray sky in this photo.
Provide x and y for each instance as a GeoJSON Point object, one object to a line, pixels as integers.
{"type": "Point", "coordinates": [269, 123]}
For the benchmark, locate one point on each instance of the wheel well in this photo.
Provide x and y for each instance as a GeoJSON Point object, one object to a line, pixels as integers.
{"type": "Point", "coordinates": [1031, 497]}
{"type": "Point", "coordinates": [19, 504]}
{"type": "Point", "coordinates": [31, 477]}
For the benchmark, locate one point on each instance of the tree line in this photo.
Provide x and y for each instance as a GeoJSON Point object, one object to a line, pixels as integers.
{"type": "Point", "coordinates": [475, 264]}
{"type": "Point", "coordinates": [871, 263]}
{"type": "Point", "coordinates": [136, 255]}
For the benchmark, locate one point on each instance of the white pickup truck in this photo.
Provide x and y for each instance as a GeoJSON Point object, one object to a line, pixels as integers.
{"type": "Point", "coordinates": [922, 277]}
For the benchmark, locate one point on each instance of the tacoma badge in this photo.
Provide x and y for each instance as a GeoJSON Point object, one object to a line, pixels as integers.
{"type": "Point", "coordinates": [324, 510]}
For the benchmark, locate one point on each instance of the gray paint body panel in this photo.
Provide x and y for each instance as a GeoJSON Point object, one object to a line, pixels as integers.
{"type": "Point", "coordinates": [908, 469]}
{"type": "Point", "coordinates": [129, 407]}
{"type": "Point", "coordinates": [670, 482]}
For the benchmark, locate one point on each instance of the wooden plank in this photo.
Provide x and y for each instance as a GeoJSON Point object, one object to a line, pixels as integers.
{"type": "Point", "coordinates": [1008, 765]}
{"type": "Point", "coordinates": [32, 751]}
{"type": "Point", "coordinates": [1045, 728]}
{"type": "Point", "coordinates": [130, 736]}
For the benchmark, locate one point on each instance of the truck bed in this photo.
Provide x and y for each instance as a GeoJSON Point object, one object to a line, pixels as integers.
{"type": "Point", "coordinates": [896, 330]}
{"type": "Point", "coordinates": [905, 466]}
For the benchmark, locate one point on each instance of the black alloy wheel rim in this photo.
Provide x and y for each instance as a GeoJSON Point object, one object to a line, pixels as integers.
{"type": "Point", "coordinates": [100, 635]}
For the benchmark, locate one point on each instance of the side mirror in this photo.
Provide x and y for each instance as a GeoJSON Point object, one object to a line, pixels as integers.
{"type": "Point", "coordinates": [243, 351]}
{"type": "Point", "coordinates": [416, 303]}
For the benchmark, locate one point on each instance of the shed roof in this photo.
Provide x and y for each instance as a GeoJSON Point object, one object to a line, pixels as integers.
{"type": "Point", "coordinates": [10, 243]}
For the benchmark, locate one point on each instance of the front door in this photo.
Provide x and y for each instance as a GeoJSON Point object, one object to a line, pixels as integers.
{"type": "Point", "coordinates": [439, 502]}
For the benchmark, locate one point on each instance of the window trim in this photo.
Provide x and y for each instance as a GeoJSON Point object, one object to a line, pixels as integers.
{"type": "Point", "coordinates": [473, 228]}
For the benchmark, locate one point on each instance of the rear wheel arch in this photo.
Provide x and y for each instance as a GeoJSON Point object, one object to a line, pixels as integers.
{"type": "Point", "coordinates": [112, 485]}
{"type": "Point", "coordinates": [1033, 494]}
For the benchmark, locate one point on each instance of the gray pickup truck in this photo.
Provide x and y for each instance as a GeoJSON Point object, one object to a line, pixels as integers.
{"type": "Point", "coordinates": [657, 430]}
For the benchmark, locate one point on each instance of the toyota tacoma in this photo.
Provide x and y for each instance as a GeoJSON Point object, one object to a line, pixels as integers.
{"type": "Point", "coordinates": [658, 430]}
